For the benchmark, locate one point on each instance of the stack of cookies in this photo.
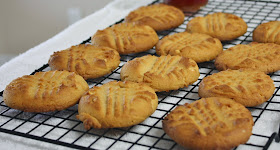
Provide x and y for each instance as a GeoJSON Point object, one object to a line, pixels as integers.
{"type": "Point", "coordinates": [203, 124]}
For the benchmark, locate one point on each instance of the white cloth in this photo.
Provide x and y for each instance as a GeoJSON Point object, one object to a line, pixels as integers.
{"type": "Point", "coordinates": [36, 57]}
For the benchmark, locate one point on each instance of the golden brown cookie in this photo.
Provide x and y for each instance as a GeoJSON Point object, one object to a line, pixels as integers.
{"type": "Point", "coordinates": [117, 104]}
{"type": "Point", "coordinates": [158, 16]}
{"type": "Point", "coordinates": [260, 56]}
{"type": "Point", "coordinates": [126, 38]}
{"type": "Point", "coordinates": [162, 73]}
{"type": "Point", "coordinates": [86, 60]}
{"type": "Point", "coordinates": [247, 87]}
{"type": "Point", "coordinates": [45, 91]}
{"type": "Point", "coordinates": [223, 26]}
{"type": "Point", "coordinates": [197, 46]}
{"type": "Point", "coordinates": [209, 123]}
{"type": "Point", "coordinates": [267, 32]}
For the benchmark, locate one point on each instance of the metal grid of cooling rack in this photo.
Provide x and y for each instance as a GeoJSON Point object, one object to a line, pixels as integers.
{"type": "Point", "coordinates": [64, 129]}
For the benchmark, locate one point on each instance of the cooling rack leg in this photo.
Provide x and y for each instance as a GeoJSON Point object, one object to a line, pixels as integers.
{"type": "Point", "coordinates": [277, 138]}
{"type": "Point", "coordinates": [270, 140]}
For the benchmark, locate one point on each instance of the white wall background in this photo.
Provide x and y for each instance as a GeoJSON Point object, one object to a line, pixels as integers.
{"type": "Point", "coordinates": [27, 23]}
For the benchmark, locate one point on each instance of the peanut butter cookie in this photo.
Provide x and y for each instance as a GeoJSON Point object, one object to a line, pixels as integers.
{"type": "Point", "coordinates": [219, 25]}
{"type": "Point", "coordinates": [45, 91]}
{"type": "Point", "coordinates": [267, 32]}
{"type": "Point", "coordinates": [260, 56]}
{"type": "Point", "coordinates": [247, 87]}
{"type": "Point", "coordinates": [209, 123]}
{"type": "Point", "coordinates": [158, 16]}
{"type": "Point", "coordinates": [126, 38]}
{"type": "Point", "coordinates": [117, 104]}
{"type": "Point", "coordinates": [162, 73]}
{"type": "Point", "coordinates": [197, 46]}
{"type": "Point", "coordinates": [86, 60]}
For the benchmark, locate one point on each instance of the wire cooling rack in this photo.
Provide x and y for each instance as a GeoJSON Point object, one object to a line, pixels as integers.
{"type": "Point", "coordinates": [62, 127]}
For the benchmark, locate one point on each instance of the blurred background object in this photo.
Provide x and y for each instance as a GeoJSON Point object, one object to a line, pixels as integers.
{"type": "Point", "coordinates": [27, 23]}
{"type": "Point", "coordinates": [187, 5]}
